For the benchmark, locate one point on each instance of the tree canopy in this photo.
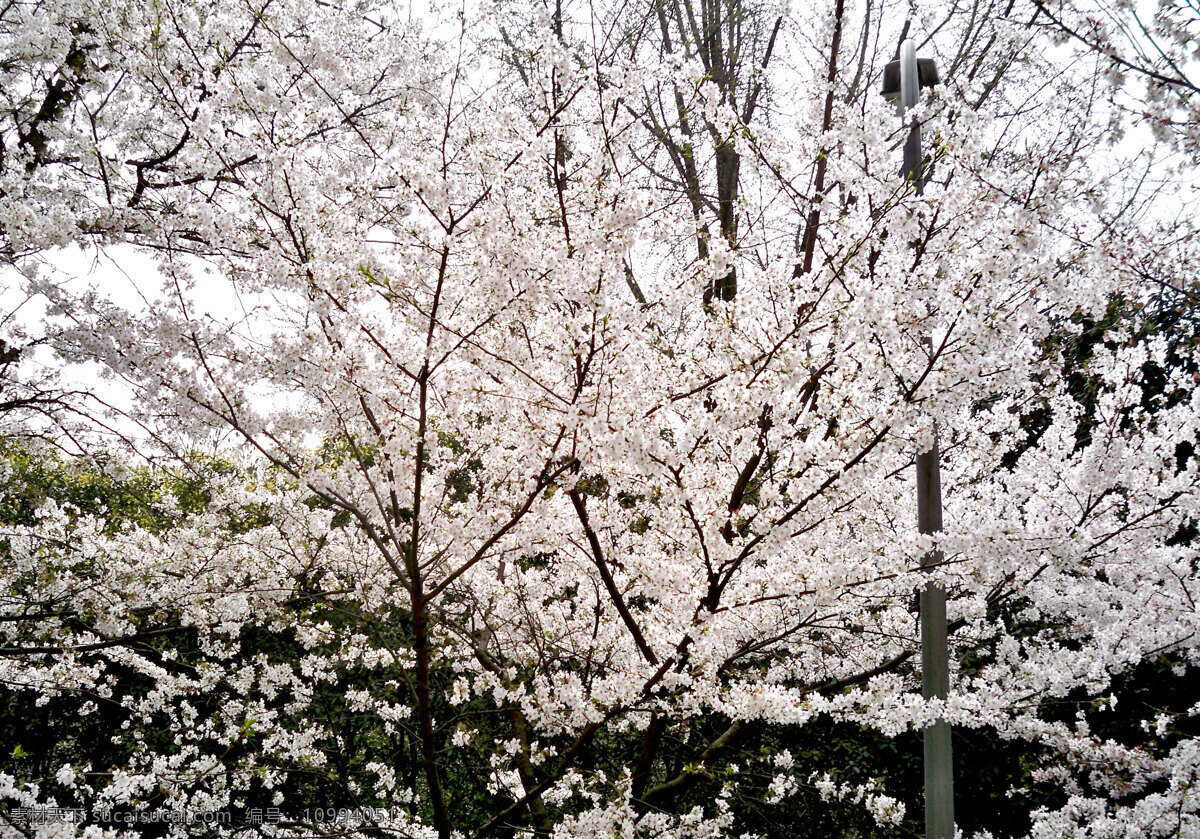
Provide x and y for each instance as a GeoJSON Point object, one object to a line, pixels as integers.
{"type": "Point", "coordinates": [523, 410]}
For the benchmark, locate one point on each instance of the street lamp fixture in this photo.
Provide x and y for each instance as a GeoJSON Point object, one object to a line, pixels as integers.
{"type": "Point", "coordinates": [903, 80]}
{"type": "Point", "coordinates": [902, 83]}
{"type": "Point", "coordinates": [927, 76]}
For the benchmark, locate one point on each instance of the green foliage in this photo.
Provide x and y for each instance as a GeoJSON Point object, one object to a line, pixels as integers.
{"type": "Point", "coordinates": [141, 497]}
{"type": "Point", "coordinates": [1170, 316]}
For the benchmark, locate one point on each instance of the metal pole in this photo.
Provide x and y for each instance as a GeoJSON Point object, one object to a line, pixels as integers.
{"type": "Point", "coordinates": [935, 652]}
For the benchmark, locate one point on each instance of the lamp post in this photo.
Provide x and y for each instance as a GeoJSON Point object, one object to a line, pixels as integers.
{"type": "Point", "coordinates": [902, 81]}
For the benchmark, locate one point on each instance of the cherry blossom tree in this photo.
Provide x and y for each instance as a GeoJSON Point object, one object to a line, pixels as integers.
{"type": "Point", "coordinates": [576, 385]}
{"type": "Point", "coordinates": [1153, 46]}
